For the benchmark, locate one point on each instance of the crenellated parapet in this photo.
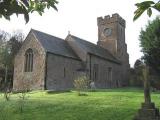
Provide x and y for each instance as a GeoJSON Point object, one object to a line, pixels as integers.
{"type": "Point", "coordinates": [110, 19]}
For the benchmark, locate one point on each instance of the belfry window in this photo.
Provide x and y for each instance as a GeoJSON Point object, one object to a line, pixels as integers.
{"type": "Point", "coordinates": [29, 60]}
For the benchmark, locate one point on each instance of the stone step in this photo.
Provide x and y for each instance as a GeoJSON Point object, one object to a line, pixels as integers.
{"type": "Point", "coordinates": [144, 118]}
{"type": "Point", "coordinates": [148, 105]}
{"type": "Point", "coordinates": [148, 112]}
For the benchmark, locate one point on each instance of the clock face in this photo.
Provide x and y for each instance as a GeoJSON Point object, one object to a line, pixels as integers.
{"type": "Point", "coordinates": [107, 31]}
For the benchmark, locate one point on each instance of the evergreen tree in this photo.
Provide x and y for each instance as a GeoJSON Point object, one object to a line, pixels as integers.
{"type": "Point", "coordinates": [150, 43]}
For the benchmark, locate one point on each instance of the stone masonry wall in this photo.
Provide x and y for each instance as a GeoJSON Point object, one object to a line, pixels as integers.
{"type": "Point", "coordinates": [34, 79]}
{"type": "Point", "coordinates": [103, 80]}
{"type": "Point", "coordinates": [61, 72]}
{"type": "Point", "coordinates": [115, 42]}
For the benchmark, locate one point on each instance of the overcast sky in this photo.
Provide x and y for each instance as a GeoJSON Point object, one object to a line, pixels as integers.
{"type": "Point", "coordinates": [80, 18]}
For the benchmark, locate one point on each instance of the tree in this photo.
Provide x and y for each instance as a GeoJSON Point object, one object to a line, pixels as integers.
{"type": "Point", "coordinates": [138, 67]}
{"type": "Point", "coordinates": [138, 64]}
{"type": "Point", "coordinates": [13, 46]}
{"type": "Point", "coordinates": [136, 78]}
{"type": "Point", "coordinates": [8, 49]}
{"type": "Point", "coordinates": [3, 38]}
{"type": "Point", "coordinates": [146, 6]}
{"type": "Point", "coordinates": [9, 7]}
{"type": "Point", "coordinates": [150, 43]}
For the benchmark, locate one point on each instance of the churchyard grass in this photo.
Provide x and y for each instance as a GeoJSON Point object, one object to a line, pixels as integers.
{"type": "Point", "coordinates": [108, 104]}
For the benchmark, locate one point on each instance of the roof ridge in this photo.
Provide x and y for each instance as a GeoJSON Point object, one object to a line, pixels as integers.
{"type": "Point", "coordinates": [34, 30]}
{"type": "Point", "coordinates": [83, 39]}
{"type": "Point", "coordinates": [95, 45]}
{"type": "Point", "coordinates": [54, 44]}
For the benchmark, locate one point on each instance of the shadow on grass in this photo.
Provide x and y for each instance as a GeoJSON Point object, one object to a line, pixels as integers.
{"type": "Point", "coordinates": [57, 91]}
{"type": "Point", "coordinates": [82, 94]}
{"type": "Point", "coordinates": [124, 89]}
{"type": "Point", "coordinates": [156, 92]}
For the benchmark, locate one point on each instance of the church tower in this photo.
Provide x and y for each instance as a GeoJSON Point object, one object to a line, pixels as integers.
{"type": "Point", "coordinates": [111, 36]}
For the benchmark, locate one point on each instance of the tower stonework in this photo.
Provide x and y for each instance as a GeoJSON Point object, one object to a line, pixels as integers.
{"type": "Point", "coordinates": [111, 36]}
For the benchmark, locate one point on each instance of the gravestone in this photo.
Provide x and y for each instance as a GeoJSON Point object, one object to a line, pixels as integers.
{"type": "Point", "coordinates": [148, 110]}
{"type": "Point", "coordinates": [92, 85]}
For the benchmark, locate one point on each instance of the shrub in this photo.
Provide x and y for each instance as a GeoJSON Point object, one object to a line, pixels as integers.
{"type": "Point", "coordinates": [25, 87]}
{"type": "Point", "coordinates": [81, 84]}
{"type": "Point", "coordinates": [21, 101]}
{"type": "Point", "coordinates": [7, 95]}
{"type": "Point", "coordinates": [7, 92]}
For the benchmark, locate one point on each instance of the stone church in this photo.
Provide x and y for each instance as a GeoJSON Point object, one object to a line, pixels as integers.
{"type": "Point", "coordinates": [48, 62]}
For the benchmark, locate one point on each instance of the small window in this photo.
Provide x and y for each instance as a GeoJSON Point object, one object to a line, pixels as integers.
{"type": "Point", "coordinates": [28, 61]}
{"type": "Point", "coordinates": [110, 74]}
{"type": "Point", "coordinates": [64, 75]}
{"type": "Point", "coordinates": [95, 72]}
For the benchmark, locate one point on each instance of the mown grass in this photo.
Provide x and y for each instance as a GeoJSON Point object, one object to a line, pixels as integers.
{"type": "Point", "coordinates": [109, 104]}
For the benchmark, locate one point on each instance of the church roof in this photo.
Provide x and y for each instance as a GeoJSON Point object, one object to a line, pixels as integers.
{"type": "Point", "coordinates": [95, 49]}
{"type": "Point", "coordinates": [54, 44]}
{"type": "Point", "coordinates": [59, 46]}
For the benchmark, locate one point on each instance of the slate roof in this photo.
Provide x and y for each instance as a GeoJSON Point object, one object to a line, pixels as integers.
{"type": "Point", "coordinates": [54, 44]}
{"type": "Point", "coordinates": [95, 49]}
{"type": "Point", "coordinates": [59, 46]}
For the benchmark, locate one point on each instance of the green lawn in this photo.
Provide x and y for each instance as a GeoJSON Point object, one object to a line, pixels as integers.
{"type": "Point", "coordinates": [112, 104]}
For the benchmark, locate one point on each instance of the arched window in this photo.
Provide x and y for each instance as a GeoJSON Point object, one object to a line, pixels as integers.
{"type": "Point", "coordinates": [29, 60]}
